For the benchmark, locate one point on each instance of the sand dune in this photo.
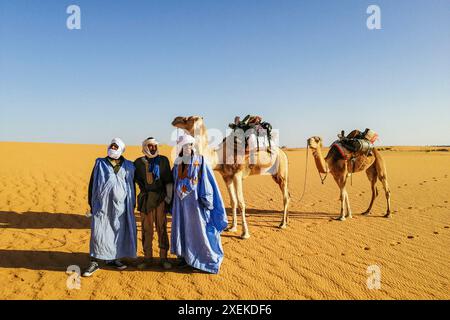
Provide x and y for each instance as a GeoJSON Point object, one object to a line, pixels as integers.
{"type": "Point", "coordinates": [43, 230]}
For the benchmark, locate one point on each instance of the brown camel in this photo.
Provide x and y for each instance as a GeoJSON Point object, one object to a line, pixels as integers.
{"type": "Point", "coordinates": [274, 163]}
{"type": "Point", "coordinates": [341, 168]}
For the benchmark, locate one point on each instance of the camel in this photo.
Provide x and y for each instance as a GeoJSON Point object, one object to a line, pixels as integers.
{"type": "Point", "coordinates": [234, 173]}
{"type": "Point", "coordinates": [341, 168]}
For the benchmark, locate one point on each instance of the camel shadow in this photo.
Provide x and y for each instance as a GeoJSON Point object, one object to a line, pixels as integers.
{"type": "Point", "coordinates": [231, 235]}
{"type": "Point", "coordinates": [376, 216]}
{"type": "Point", "coordinates": [265, 213]}
{"type": "Point", "coordinates": [43, 220]}
{"type": "Point", "coordinates": [272, 219]}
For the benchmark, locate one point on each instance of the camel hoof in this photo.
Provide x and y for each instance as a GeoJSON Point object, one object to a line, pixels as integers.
{"type": "Point", "coordinates": [387, 215]}
{"type": "Point", "coordinates": [350, 217]}
{"type": "Point", "coordinates": [341, 218]}
{"type": "Point", "coordinates": [365, 213]}
{"type": "Point", "coordinates": [232, 229]}
{"type": "Point", "coordinates": [282, 226]}
{"type": "Point", "coordinates": [245, 236]}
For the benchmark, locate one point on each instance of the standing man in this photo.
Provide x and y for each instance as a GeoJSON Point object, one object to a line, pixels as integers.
{"type": "Point", "coordinates": [198, 212]}
{"type": "Point", "coordinates": [112, 200]}
{"type": "Point", "coordinates": [154, 178]}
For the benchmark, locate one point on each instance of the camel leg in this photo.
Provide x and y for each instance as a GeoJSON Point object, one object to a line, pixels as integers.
{"type": "Point", "coordinates": [347, 202]}
{"type": "Point", "coordinates": [241, 203]}
{"type": "Point", "coordinates": [341, 183]}
{"type": "Point", "coordinates": [233, 199]}
{"type": "Point", "coordinates": [286, 200]}
{"type": "Point", "coordinates": [372, 175]}
{"type": "Point", "coordinates": [388, 195]}
{"type": "Point", "coordinates": [282, 183]}
{"type": "Point", "coordinates": [382, 175]}
{"type": "Point", "coordinates": [342, 199]}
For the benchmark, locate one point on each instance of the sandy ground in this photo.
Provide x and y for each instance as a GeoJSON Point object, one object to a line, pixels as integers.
{"type": "Point", "coordinates": [43, 230]}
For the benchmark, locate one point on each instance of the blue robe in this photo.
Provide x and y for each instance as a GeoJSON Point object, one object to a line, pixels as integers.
{"type": "Point", "coordinates": [198, 217]}
{"type": "Point", "coordinates": [113, 225]}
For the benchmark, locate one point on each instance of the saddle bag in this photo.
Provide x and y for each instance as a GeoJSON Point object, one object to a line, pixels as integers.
{"type": "Point", "coordinates": [370, 136]}
{"type": "Point", "coordinates": [362, 146]}
{"type": "Point", "coordinates": [356, 145]}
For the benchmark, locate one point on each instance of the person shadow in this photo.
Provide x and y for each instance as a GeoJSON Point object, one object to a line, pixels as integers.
{"type": "Point", "coordinates": [60, 260]}
{"type": "Point", "coordinates": [43, 220]}
{"type": "Point", "coordinates": [63, 261]}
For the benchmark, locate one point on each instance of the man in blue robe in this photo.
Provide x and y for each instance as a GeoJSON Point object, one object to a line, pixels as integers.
{"type": "Point", "coordinates": [112, 200]}
{"type": "Point", "coordinates": [198, 213]}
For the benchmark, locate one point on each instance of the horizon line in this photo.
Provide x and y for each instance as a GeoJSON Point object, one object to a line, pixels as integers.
{"type": "Point", "coordinates": [168, 145]}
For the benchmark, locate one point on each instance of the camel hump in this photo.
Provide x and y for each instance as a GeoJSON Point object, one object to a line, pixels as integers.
{"type": "Point", "coordinates": [356, 142]}
{"type": "Point", "coordinates": [256, 132]}
{"type": "Point", "coordinates": [368, 134]}
{"type": "Point", "coordinates": [355, 134]}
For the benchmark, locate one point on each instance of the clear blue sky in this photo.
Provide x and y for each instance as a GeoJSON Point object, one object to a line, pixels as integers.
{"type": "Point", "coordinates": [308, 67]}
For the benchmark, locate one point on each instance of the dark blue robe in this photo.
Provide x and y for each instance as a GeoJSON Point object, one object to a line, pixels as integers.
{"type": "Point", "coordinates": [198, 216]}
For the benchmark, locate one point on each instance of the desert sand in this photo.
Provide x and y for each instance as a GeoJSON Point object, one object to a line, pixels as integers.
{"type": "Point", "coordinates": [43, 230]}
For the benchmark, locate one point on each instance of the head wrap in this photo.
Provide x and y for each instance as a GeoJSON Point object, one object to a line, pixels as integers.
{"type": "Point", "coordinates": [115, 154]}
{"type": "Point", "coordinates": [183, 140]}
{"type": "Point", "coordinates": [146, 150]}
{"type": "Point", "coordinates": [186, 139]}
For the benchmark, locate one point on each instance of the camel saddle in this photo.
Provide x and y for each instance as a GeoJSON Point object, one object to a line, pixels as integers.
{"type": "Point", "coordinates": [258, 128]}
{"type": "Point", "coordinates": [356, 143]}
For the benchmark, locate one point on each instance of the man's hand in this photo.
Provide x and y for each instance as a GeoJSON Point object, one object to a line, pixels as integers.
{"type": "Point", "coordinates": [169, 193]}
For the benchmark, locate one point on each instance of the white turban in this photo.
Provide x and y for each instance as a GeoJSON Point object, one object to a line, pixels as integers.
{"type": "Point", "coordinates": [183, 140]}
{"type": "Point", "coordinates": [146, 150]}
{"type": "Point", "coordinates": [115, 154]}
{"type": "Point", "coordinates": [186, 139]}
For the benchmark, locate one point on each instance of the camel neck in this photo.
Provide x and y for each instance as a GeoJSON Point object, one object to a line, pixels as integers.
{"type": "Point", "coordinates": [204, 149]}
{"type": "Point", "coordinates": [321, 164]}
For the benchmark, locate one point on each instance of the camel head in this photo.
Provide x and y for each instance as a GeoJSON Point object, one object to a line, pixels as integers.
{"type": "Point", "coordinates": [188, 124]}
{"type": "Point", "coordinates": [315, 142]}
